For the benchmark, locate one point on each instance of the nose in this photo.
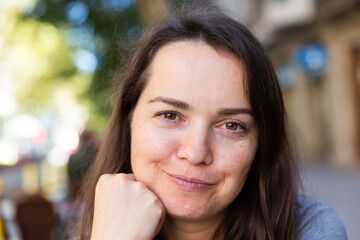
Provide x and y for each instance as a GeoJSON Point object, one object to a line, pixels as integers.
{"type": "Point", "coordinates": [195, 147]}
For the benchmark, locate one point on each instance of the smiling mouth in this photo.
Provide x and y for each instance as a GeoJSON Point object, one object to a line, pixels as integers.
{"type": "Point", "coordinates": [189, 184]}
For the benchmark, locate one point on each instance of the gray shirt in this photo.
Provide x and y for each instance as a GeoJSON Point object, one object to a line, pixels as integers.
{"type": "Point", "coordinates": [317, 221]}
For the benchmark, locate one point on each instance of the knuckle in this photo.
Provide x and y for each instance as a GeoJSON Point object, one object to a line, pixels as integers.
{"type": "Point", "coordinates": [154, 202]}
{"type": "Point", "coordinates": [139, 185]}
{"type": "Point", "coordinates": [120, 177]}
{"type": "Point", "coordinates": [158, 204]}
{"type": "Point", "coordinates": [101, 183]}
{"type": "Point", "coordinates": [103, 179]}
{"type": "Point", "coordinates": [158, 209]}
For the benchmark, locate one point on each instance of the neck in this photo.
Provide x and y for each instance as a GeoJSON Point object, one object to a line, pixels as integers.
{"type": "Point", "coordinates": [176, 229]}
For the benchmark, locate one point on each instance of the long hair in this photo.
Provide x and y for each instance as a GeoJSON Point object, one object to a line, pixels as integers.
{"type": "Point", "coordinates": [265, 208]}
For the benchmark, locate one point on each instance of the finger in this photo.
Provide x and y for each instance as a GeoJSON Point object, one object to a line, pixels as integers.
{"type": "Point", "coordinates": [162, 219]}
{"type": "Point", "coordinates": [129, 176]}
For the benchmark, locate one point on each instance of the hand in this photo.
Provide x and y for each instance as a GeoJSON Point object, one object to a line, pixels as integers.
{"type": "Point", "coordinates": [125, 209]}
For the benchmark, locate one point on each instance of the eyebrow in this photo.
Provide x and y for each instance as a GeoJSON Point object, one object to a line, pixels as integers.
{"type": "Point", "coordinates": [185, 106]}
{"type": "Point", "coordinates": [172, 102]}
{"type": "Point", "coordinates": [234, 111]}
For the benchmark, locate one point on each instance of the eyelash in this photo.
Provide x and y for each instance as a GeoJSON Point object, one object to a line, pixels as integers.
{"type": "Point", "coordinates": [163, 113]}
{"type": "Point", "coordinates": [240, 127]}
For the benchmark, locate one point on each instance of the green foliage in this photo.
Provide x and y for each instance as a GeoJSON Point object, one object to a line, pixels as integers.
{"type": "Point", "coordinates": [101, 30]}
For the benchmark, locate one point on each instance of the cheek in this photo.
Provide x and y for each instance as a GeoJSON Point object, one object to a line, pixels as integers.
{"type": "Point", "coordinates": [237, 156]}
{"type": "Point", "coordinates": [149, 144]}
{"type": "Point", "coordinates": [236, 163]}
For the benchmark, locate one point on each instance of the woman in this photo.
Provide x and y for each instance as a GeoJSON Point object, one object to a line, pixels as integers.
{"type": "Point", "coordinates": [197, 146]}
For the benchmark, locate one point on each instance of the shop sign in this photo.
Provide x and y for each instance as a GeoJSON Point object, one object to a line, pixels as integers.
{"type": "Point", "coordinates": [311, 57]}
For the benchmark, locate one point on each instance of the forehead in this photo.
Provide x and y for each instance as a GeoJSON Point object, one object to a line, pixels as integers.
{"type": "Point", "coordinates": [205, 54]}
{"type": "Point", "coordinates": [194, 69]}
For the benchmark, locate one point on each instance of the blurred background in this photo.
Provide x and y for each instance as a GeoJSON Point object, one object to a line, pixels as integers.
{"type": "Point", "coordinates": [56, 62]}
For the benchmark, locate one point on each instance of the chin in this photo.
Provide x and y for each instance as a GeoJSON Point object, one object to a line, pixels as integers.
{"type": "Point", "coordinates": [187, 209]}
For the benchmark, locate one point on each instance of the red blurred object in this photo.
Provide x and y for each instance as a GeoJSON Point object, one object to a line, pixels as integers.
{"type": "Point", "coordinates": [41, 135]}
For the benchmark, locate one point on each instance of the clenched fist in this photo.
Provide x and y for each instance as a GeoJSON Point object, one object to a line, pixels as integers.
{"type": "Point", "coordinates": [125, 209]}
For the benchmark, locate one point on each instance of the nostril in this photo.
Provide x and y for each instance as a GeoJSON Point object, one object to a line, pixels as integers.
{"type": "Point", "coordinates": [195, 154]}
{"type": "Point", "coordinates": [195, 146]}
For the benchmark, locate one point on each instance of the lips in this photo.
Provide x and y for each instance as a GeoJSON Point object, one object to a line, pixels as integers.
{"type": "Point", "coordinates": [189, 184]}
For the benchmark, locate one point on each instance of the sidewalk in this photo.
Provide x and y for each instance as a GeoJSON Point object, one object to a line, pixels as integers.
{"type": "Point", "coordinates": [340, 189]}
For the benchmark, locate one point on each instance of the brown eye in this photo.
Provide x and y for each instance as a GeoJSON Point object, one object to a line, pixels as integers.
{"type": "Point", "coordinates": [231, 126]}
{"type": "Point", "coordinates": [170, 116]}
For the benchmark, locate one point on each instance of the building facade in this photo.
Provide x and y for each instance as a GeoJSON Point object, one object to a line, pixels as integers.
{"type": "Point", "coordinates": [315, 47]}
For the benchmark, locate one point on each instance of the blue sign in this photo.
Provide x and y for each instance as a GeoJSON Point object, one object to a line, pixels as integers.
{"type": "Point", "coordinates": [311, 57]}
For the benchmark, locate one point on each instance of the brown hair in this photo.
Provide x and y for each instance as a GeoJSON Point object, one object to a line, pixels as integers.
{"type": "Point", "coordinates": [265, 207]}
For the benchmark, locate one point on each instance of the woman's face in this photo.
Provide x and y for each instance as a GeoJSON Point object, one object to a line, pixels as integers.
{"type": "Point", "coordinates": [193, 138]}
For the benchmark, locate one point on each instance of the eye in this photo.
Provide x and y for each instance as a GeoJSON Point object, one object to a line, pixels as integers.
{"type": "Point", "coordinates": [232, 126]}
{"type": "Point", "coordinates": [170, 116]}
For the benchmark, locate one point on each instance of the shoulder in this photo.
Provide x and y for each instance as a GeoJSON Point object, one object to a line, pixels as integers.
{"type": "Point", "coordinates": [317, 220]}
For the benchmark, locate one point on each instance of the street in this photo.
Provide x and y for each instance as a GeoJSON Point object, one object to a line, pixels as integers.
{"type": "Point", "coordinates": [339, 188]}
